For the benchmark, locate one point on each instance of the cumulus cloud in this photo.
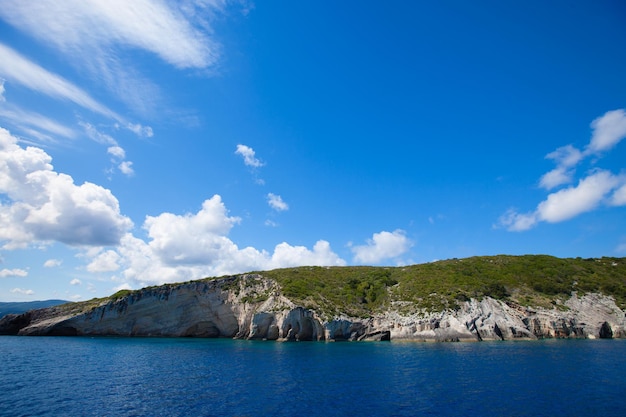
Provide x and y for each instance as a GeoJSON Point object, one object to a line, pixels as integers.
{"type": "Point", "coordinates": [383, 245]}
{"type": "Point", "coordinates": [195, 245]}
{"type": "Point", "coordinates": [75, 281]}
{"type": "Point", "coordinates": [192, 238]}
{"type": "Point", "coordinates": [106, 261]}
{"type": "Point", "coordinates": [52, 263]}
{"type": "Point", "coordinates": [249, 157]}
{"type": "Point", "coordinates": [286, 255]}
{"type": "Point", "coordinates": [44, 205]}
{"type": "Point", "coordinates": [276, 202]}
{"type": "Point", "coordinates": [4, 273]}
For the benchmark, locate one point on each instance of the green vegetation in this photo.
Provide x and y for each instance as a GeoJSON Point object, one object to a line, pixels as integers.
{"type": "Point", "coordinates": [533, 280]}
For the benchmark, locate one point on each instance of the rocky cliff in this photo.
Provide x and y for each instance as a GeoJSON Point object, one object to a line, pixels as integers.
{"type": "Point", "coordinates": [253, 306]}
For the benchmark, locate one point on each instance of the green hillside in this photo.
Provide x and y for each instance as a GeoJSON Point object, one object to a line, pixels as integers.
{"type": "Point", "coordinates": [532, 280]}
{"type": "Point", "coordinates": [359, 291]}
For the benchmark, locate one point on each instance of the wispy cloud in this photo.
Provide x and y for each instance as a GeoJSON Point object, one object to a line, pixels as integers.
{"type": "Point", "coordinates": [118, 154]}
{"type": "Point", "coordinates": [95, 34]}
{"type": "Point", "coordinates": [16, 68]}
{"type": "Point", "coordinates": [155, 26]}
{"type": "Point", "coordinates": [26, 120]}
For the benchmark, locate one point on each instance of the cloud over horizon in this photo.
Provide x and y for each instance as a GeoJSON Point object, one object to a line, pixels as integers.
{"type": "Point", "coordinates": [383, 245]}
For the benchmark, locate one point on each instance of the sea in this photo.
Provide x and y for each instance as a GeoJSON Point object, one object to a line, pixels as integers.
{"type": "Point", "coordinates": [108, 376]}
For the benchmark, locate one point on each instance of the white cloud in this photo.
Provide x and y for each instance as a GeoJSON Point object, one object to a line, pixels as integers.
{"type": "Point", "coordinates": [117, 152]}
{"type": "Point", "coordinates": [608, 131]}
{"type": "Point", "coordinates": [22, 291]}
{"type": "Point", "coordinates": [47, 206]}
{"type": "Point", "coordinates": [104, 262]}
{"type": "Point", "coordinates": [126, 167]}
{"type": "Point", "coordinates": [5, 273]}
{"type": "Point", "coordinates": [570, 202]}
{"type": "Point", "coordinates": [75, 281]}
{"type": "Point", "coordinates": [517, 222]}
{"type": "Point", "coordinates": [558, 176]}
{"type": "Point", "coordinates": [76, 25]}
{"type": "Point", "coordinates": [15, 68]}
{"type": "Point", "coordinates": [276, 202]}
{"type": "Point", "coordinates": [124, 286]}
{"type": "Point", "coordinates": [139, 130]}
{"type": "Point", "coordinates": [619, 197]}
{"type": "Point", "coordinates": [565, 157]}
{"type": "Point", "coordinates": [96, 35]}
{"type": "Point", "coordinates": [286, 255]}
{"type": "Point", "coordinates": [24, 120]}
{"type": "Point", "coordinates": [248, 155]}
{"type": "Point", "coordinates": [52, 263]}
{"type": "Point", "coordinates": [192, 238]}
{"type": "Point", "coordinates": [97, 136]}
{"type": "Point", "coordinates": [600, 187]}
{"type": "Point", "coordinates": [196, 245]}
{"type": "Point", "coordinates": [383, 245]}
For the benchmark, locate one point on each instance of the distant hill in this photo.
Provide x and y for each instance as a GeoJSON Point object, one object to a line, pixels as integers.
{"type": "Point", "coordinates": [19, 308]}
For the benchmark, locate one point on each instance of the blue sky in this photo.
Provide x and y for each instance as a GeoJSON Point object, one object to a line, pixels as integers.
{"type": "Point", "coordinates": [152, 142]}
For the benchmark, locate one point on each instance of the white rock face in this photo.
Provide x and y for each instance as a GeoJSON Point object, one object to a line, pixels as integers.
{"type": "Point", "coordinates": [253, 307]}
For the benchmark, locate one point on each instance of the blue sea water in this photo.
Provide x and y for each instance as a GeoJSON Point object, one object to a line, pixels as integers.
{"type": "Point", "coordinates": [79, 376]}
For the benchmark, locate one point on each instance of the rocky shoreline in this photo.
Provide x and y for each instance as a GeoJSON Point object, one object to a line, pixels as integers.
{"type": "Point", "coordinates": [231, 307]}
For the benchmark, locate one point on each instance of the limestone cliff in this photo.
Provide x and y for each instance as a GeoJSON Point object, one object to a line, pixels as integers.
{"type": "Point", "coordinates": [252, 306]}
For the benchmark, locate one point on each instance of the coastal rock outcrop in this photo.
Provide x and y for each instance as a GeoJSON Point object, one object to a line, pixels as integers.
{"type": "Point", "coordinates": [251, 306]}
